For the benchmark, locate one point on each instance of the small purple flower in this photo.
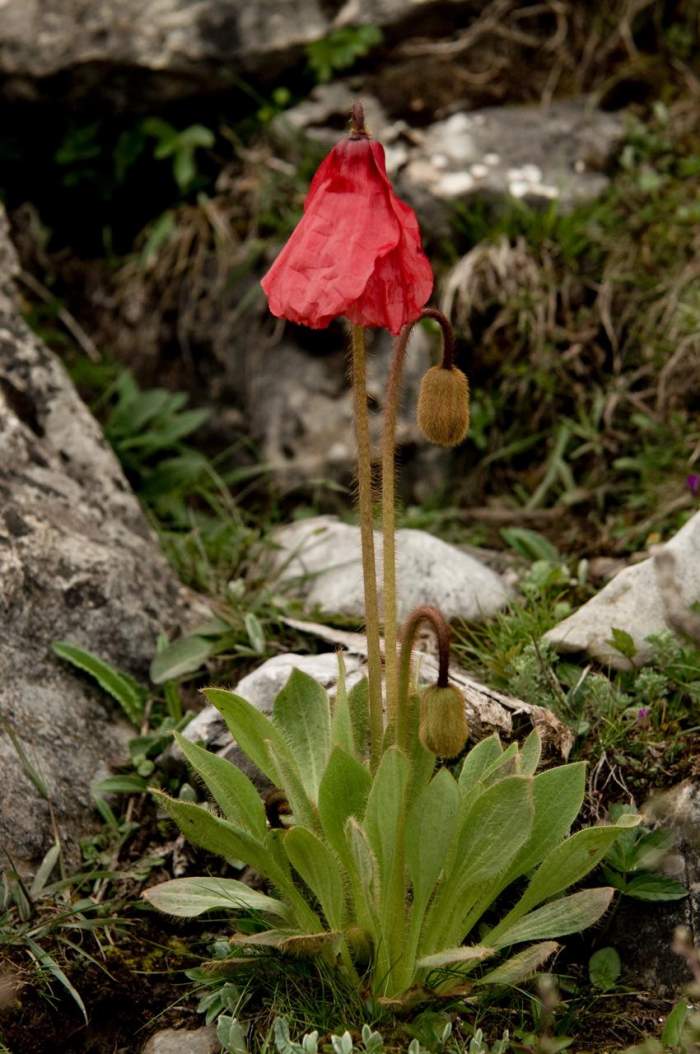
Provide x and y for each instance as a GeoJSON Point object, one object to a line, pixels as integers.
{"type": "Point", "coordinates": [693, 484]}
{"type": "Point", "coordinates": [643, 716]}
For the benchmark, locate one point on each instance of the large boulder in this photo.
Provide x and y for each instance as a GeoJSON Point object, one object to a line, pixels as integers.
{"type": "Point", "coordinates": [174, 47]}
{"type": "Point", "coordinates": [78, 561]}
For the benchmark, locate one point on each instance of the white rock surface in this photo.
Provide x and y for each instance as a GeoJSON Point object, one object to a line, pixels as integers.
{"type": "Point", "coordinates": [320, 560]}
{"type": "Point", "coordinates": [632, 601]}
{"type": "Point", "coordinates": [183, 1041]}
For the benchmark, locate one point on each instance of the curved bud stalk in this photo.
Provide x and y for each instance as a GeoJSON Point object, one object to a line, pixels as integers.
{"type": "Point", "coordinates": [443, 416]}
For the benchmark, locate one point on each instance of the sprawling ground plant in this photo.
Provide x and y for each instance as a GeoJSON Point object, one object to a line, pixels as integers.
{"type": "Point", "coordinates": [389, 861]}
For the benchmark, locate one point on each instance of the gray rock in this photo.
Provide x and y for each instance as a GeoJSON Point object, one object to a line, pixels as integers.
{"type": "Point", "coordinates": [78, 562]}
{"type": "Point", "coordinates": [632, 601]}
{"type": "Point", "coordinates": [183, 1041]}
{"type": "Point", "coordinates": [299, 408]}
{"type": "Point", "coordinates": [320, 560]}
{"type": "Point", "coordinates": [173, 48]}
{"type": "Point", "coordinates": [643, 931]}
{"type": "Point", "coordinates": [537, 154]}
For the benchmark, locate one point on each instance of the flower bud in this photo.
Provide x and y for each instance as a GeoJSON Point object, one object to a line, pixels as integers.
{"type": "Point", "coordinates": [443, 405]}
{"type": "Point", "coordinates": [443, 725]}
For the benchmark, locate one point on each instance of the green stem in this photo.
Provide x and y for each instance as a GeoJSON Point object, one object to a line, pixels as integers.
{"type": "Point", "coordinates": [369, 571]}
{"type": "Point", "coordinates": [391, 409]}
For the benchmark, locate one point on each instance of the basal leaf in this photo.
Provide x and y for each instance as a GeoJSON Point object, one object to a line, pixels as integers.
{"type": "Point", "coordinates": [385, 809]}
{"type": "Point", "coordinates": [558, 796]}
{"type": "Point", "coordinates": [358, 702]}
{"type": "Point", "coordinates": [558, 918]}
{"type": "Point", "coordinates": [320, 868]}
{"type": "Point", "coordinates": [230, 788]}
{"type": "Point", "coordinates": [189, 897]}
{"type": "Point", "coordinates": [566, 864]}
{"type": "Point", "coordinates": [453, 956]}
{"type": "Point", "coordinates": [341, 718]}
{"type": "Point", "coordinates": [530, 754]}
{"type": "Point", "coordinates": [521, 966]}
{"type": "Point", "coordinates": [343, 793]}
{"type": "Point", "coordinates": [478, 760]}
{"type": "Point", "coordinates": [302, 714]}
{"type": "Point", "coordinates": [250, 729]}
{"type": "Point", "coordinates": [430, 828]}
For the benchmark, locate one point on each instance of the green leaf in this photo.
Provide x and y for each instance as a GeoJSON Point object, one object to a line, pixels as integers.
{"type": "Point", "coordinates": [385, 808]}
{"type": "Point", "coordinates": [256, 634]}
{"type": "Point", "coordinates": [496, 826]}
{"type": "Point", "coordinates": [530, 754]}
{"type": "Point", "coordinates": [479, 758]}
{"type": "Point", "coordinates": [250, 729]}
{"type": "Point", "coordinates": [672, 1034]}
{"type": "Point", "coordinates": [430, 828]}
{"type": "Point", "coordinates": [303, 810]}
{"type": "Point", "coordinates": [43, 874]}
{"type": "Point", "coordinates": [183, 656]}
{"type": "Point", "coordinates": [302, 714]}
{"type": "Point", "coordinates": [521, 966]}
{"type": "Point", "coordinates": [343, 793]}
{"type": "Point", "coordinates": [604, 968]}
{"type": "Point", "coordinates": [558, 796]}
{"type": "Point", "coordinates": [128, 692]}
{"type": "Point", "coordinates": [218, 836]}
{"type": "Point", "coordinates": [341, 719]}
{"type": "Point", "coordinates": [530, 544]}
{"type": "Point", "coordinates": [621, 641]}
{"type": "Point", "coordinates": [230, 788]}
{"type": "Point", "coordinates": [358, 702]}
{"type": "Point", "coordinates": [453, 956]}
{"type": "Point", "coordinates": [566, 864]}
{"type": "Point", "coordinates": [189, 897]}
{"type": "Point", "coordinates": [50, 964]}
{"type": "Point", "coordinates": [366, 867]}
{"type": "Point", "coordinates": [558, 918]}
{"type": "Point", "coordinates": [654, 887]}
{"type": "Point", "coordinates": [320, 869]}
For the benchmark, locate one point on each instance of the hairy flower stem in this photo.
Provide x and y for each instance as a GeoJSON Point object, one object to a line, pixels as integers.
{"type": "Point", "coordinates": [406, 718]}
{"type": "Point", "coordinates": [391, 410]}
{"type": "Point", "coordinates": [369, 570]}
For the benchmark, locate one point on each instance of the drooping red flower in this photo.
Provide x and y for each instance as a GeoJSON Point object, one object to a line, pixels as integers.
{"type": "Point", "coordinates": [356, 250]}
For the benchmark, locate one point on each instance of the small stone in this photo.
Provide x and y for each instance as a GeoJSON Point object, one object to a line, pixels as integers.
{"type": "Point", "coordinates": [319, 560]}
{"type": "Point", "coordinates": [183, 1041]}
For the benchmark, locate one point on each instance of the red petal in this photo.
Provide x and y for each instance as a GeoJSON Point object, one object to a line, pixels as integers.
{"type": "Point", "coordinates": [355, 252]}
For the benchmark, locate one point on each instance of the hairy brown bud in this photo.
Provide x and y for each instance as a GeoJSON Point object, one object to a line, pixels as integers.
{"type": "Point", "coordinates": [443, 724]}
{"type": "Point", "coordinates": [443, 405]}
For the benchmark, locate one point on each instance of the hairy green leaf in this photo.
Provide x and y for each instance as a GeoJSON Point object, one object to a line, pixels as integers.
{"type": "Point", "coordinates": [230, 788]}
{"type": "Point", "coordinates": [251, 729]}
{"type": "Point", "coordinates": [521, 966]}
{"type": "Point", "coordinates": [189, 897]}
{"type": "Point", "coordinates": [302, 714]}
{"type": "Point", "coordinates": [321, 870]}
{"type": "Point", "coordinates": [343, 793]}
{"type": "Point", "coordinates": [558, 918]}
{"type": "Point", "coordinates": [479, 758]}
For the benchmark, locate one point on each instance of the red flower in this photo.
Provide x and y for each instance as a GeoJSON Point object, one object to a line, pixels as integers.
{"type": "Point", "coordinates": [356, 250]}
